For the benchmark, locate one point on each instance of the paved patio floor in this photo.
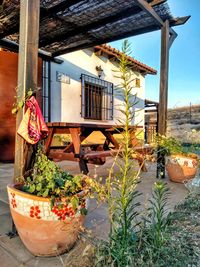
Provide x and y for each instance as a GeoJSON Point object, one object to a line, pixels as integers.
{"type": "Point", "coordinates": [12, 251]}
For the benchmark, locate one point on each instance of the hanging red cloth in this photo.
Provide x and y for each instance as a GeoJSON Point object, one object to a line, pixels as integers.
{"type": "Point", "coordinates": [33, 127]}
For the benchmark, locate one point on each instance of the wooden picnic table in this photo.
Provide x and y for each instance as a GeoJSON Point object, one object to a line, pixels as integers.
{"type": "Point", "coordinates": [77, 151]}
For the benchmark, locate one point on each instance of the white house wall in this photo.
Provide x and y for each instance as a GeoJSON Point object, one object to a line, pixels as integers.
{"type": "Point", "coordinates": [66, 98]}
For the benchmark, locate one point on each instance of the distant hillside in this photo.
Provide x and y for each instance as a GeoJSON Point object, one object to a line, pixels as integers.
{"type": "Point", "coordinates": [183, 122]}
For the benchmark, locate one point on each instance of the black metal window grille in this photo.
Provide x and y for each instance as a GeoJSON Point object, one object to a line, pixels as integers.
{"type": "Point", "coordinates": [46, 90]}
{"type": "Point", "coordinates": [97, 98]}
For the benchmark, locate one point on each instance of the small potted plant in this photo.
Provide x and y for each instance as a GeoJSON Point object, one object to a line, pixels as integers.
{"type": "Point", "coordinates": [181, 165]}
{"type": "Point", "coordinates": [48, 207]}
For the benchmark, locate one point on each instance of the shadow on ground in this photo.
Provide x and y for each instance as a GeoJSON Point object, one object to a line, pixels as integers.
{"type": "Point", "coordinates": [14, 254]}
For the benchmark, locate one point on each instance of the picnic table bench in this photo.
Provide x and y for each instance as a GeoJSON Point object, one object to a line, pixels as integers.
{"type": "Point", "coordinates": [82, 153]}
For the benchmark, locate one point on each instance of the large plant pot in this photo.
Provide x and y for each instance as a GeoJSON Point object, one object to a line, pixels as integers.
{"type": "Point", "coordinates": [44, 231]}
{"type": "Point", "coordinates": [181, 168]}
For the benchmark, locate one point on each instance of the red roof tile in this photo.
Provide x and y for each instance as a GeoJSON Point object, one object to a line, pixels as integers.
{"type": "Point", "coordinates": [107, 49]}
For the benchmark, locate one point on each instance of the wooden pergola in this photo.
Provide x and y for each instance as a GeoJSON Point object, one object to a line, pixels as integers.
{"type": "Point", "coordinates": [61, 26]}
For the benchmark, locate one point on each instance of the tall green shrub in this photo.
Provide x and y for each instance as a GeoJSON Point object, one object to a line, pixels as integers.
{"type": "Point", "coordinates": [121, 194]}
{"type": "Point", "coordinates": [157, 217]}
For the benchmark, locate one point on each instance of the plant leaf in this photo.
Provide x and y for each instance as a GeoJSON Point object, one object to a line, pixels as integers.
{"type": "Point", "coordinates": [46, 192]}
{"type": "Point", "coordinates": [20, 104]}
{"type": "Point", "coordinates": [75, 202]}
{"type": "Point", "coordinates": [32, 188]}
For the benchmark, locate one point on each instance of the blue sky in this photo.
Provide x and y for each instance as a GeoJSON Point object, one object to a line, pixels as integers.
{"type": "Point", "coordinates": [184, 65]}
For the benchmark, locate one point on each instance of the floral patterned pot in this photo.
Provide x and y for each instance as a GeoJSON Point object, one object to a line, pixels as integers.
{"type": "Point", "coordinates": [44, 231]}
{"type": "Point", "coordinates": [181, 168]}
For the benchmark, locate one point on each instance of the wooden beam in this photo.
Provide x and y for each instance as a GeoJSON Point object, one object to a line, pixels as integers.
{"type": "Point", "coordinates": [67, 125]}
{"type": "Point", "coordinates": [148, 9]}
{"type": "Point", "coordinates": [164, 66]}
{"type": "Point", "coordinates": [151, 111]}
{"type": "Point", "coordinates": [179, 21]}
{"type": "Point", "coordinates": [172, 37]}
{"type": "Point", "coordinates": [157, 2]}
{"type": "Point", "coordinates": [27, 69]}
{"type": "Point", "coordinates": [7, 44]}
{"type": "Point", "coordinates": [14, 47]}
{"type": "Point", "coordinates": [163, 99]}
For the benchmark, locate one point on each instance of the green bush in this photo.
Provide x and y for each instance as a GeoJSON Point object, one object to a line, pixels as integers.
{"type": "Point", "coordinates": [49, 180]}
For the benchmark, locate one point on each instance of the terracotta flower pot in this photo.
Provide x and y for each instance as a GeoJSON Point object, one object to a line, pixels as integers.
{"type": "Point", "coordinates": [181, 168]}
{"type": "Point", "coordinates": [44, 231]}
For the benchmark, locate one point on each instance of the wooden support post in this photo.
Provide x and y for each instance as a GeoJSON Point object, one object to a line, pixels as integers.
{"type": "Point", "coordinates": [76, 139]}
{"type": "Point", "coordinates": [27, 68]}
{"type": "Point", "coordinates": [162, 108]}
{"type": "Point", "coordinates": [83, 166]}
{"type": "Point", "coordinates": [49, 139]}
{"type": "Point", "coordinates": [172, 37]}
{"type": "Point", "coordinates": [75, 135]}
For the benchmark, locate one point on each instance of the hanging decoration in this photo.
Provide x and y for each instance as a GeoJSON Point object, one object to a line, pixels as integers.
{"type": "Point", "coordinates": [33, 127]}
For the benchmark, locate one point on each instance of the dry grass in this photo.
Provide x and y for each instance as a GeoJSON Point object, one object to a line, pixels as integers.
{"type": "Point", "coordinates": [184, 124]}
{"type": "Point", "coordinates": [83, 254]}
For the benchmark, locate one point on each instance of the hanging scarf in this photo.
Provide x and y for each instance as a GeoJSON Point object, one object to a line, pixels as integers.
{"type": "Point", "coordinates": [33, 127]}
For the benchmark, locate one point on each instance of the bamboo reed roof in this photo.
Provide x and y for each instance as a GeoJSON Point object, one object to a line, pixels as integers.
{"type": "Point", "coordinates": [69, 25]}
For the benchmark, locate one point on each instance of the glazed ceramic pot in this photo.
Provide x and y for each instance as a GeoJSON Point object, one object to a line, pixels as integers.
{"type": "Point", "coordinates": [181, 168]}
{"type": "Point", "coordinates": [44, 231]}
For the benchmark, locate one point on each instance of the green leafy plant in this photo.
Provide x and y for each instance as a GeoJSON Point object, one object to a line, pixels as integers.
{"type": "Point", "coordinates": [153, 236]}
{"type": "Point", "coordinates": [157, 215]}
{"type": "Point", "coordinates": [169, 145]}
{"type": "Point", "coordinates": [49, 180]}
{"type": "Point", "coordinates": [21, 103]}
{"type": "Point", "coordinates": [123, 202]}
{"type": "Point", "coordinates": [172, 146]}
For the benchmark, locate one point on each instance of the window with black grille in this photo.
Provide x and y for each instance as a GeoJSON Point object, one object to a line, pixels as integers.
{"type": "Point", "coordinates": [97, 98]}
